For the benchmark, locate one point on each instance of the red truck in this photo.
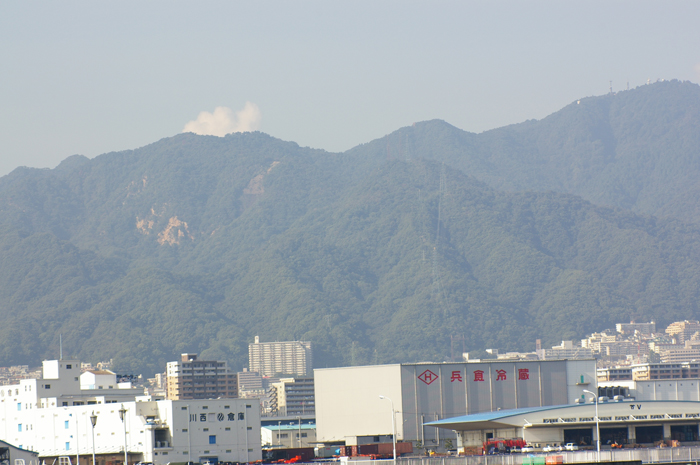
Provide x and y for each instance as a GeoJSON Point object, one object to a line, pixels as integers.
{"type": "Point", "coordinates": [502, 446]}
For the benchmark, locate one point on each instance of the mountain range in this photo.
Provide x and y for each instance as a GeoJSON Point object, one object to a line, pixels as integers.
{"type": "Point", "coordinates": [417, 246]}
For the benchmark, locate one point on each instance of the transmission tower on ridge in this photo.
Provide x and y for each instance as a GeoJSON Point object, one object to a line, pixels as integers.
{"type": "Point", "coordinates": [437, 282]}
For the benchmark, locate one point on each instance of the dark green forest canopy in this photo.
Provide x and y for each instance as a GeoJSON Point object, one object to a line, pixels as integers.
{"type": "Point", "coordinates": [388, 252]}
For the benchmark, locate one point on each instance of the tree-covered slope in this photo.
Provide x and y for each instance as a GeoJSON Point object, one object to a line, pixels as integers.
{"type": "Point", "coordinates": [199, 243]}
{"type": "Point", "coordinates": [636, 149]}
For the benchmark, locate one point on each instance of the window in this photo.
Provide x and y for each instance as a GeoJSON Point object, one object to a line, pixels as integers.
{"type": "Point", "coordinates": [68, 367]}
{"type": "Point", "coordinates": [184, 430]}
{"type": "Point", "coordinates": [303, 435]}
{"type": "Point", "coordinates": [228, 429]}
{"type": "Point", "coordinates": [212, 439]}
{"type": "Point", "coordinates": [19, 405]}
{"type": "Point", "coordinates": [205, 429]}
{"type": "Point", "coordinates": [65, 404]}
{"type": "Point", "coordinates": [65, 424]}
{"type": "Point", "coordinates": [19, 427]}
{"type": "Point", "coordinates": [284, 435]}
{"type": "Point", "coordinates": [183, 408]}
{"type": "Point", "coordinates": [227, 406]}
{"type": "Point", "coordinates": [204, 407]}
{"type": "Point", "coordinates": [250, 427]}
{"type": "Point", "coordinates": [67, 445]}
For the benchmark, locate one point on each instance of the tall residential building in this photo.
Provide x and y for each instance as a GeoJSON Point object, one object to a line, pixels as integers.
{"type": "Point", "coordinates": [287, 358]}
{"type": "Point", "coordinates": [190, 378]}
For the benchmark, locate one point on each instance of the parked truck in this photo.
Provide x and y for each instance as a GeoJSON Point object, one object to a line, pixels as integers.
{"type": "Point", "coordinates": [502, 445]}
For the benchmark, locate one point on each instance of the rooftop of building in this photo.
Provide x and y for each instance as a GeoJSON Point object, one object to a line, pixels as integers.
{"type": "Point", "coordinates": [500, 417]}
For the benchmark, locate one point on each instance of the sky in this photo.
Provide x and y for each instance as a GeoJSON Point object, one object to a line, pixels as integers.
{"type": "Point", "coordinates": [86, 77]}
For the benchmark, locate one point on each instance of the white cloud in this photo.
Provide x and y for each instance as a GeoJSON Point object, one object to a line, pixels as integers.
{"type": "Point", "coordinates": [224, 121]}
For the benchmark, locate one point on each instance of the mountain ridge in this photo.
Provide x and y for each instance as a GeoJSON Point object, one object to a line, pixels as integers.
{"type": "Point", "coordinates": [378, 254]}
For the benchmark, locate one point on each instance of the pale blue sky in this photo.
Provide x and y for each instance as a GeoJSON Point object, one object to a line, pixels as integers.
{"type": "Point", "coordinates": [92, 77]}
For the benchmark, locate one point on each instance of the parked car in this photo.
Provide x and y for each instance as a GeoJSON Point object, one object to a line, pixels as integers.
{"type": "Point", "coordinates": [552, 448]}
{"type": "Point", "coordinates": [570, 446]}
{"type": "Point", "coordinates": [527, 448]}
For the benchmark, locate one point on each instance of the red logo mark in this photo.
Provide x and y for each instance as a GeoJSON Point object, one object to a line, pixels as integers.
{"type": "Point", "coordinates": [427, 376]}
{"type": "Point", "coordinates": [501, 375]}
{"type": "Point", "coordinates": [523, 373]}
{"type": "Point", "coordinates": [456, 376]}
{"type": "Point", "coordinates": [478, 375]}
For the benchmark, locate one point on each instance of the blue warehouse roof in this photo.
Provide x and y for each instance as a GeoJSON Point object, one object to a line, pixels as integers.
{"type": "Point", "coordinates": [610, 412]}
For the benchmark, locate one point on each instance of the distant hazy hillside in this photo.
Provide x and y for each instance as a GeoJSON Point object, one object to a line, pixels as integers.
{"type": "Point", "coordinates": [637, 149]}
{"type": "Point", "coordinates": [379, 254]}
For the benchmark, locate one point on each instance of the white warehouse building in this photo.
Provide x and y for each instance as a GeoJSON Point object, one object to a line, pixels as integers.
{"type": "Point", "coordinates": [52, 416]}
{"type": "Point", "coordinates": [349, 408]}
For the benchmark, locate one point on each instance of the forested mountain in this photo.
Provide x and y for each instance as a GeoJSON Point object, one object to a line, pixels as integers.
{"type": "Point", "coordinates": [380, 254]}
{"type": "Point", "coordinates": [637, 149]}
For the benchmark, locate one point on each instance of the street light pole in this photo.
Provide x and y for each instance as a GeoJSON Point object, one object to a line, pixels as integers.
{"type": "Point", "coordinates": [122, 415]}
{"type": "Point", "coordinates": [597, 423]}
{"type": "Point", "coordinates": [93, 420]}
{"type": "Point", "coordinates": [189, 438]}
{"type": "Point", "coordinates": [393, 424]}
{"type": "Point", "coordinates": [299, 418]}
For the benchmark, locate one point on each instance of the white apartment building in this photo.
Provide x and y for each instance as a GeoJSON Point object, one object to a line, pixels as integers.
{"type": "Point", "coordinates": [645, 329]}
{"type": "Point", "coordinates": [683, 331]}
{"type": "Point", "coordinates": [52, 416]}
{"type": "Point", "coordinates": [565, 351]}
{"type": "Point", "coordinates": [273, 358]}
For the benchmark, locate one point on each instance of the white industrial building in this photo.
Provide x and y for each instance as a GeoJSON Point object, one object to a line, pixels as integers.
{"type": "Point", "coordinates": [349, 408]}
{"type": "Point", "coordinates": [623, 422]}
{"type": "Point", "coordinates": [52, 416]}
{"type": "Point", "coordinates": [288, 434]}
